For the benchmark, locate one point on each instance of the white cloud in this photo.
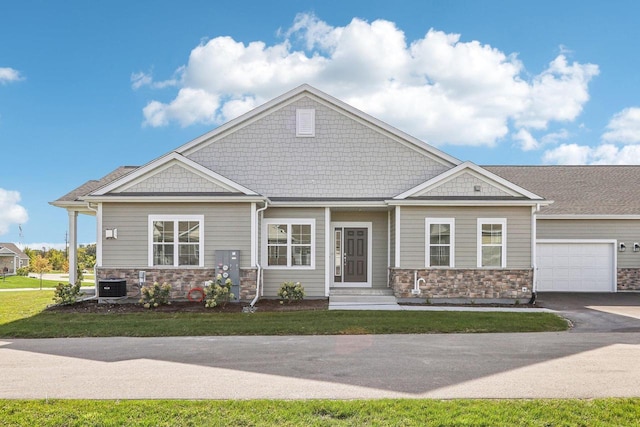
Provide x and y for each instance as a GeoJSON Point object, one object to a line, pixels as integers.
{"type": "Point", "coordinates": [438, 88]}
{"type": "Point", "coordinates": [526, 140]}
{"type": "Point", "coordinates": [9, 75]}
{"type": "Point", "coordinates": [141, 79]}
{"type": "Point", "coordinates": [11, 213]}
{"type": "Point", "coordinates": [624, 127]}
{"type": "Point", "coordinates": [605, 154]}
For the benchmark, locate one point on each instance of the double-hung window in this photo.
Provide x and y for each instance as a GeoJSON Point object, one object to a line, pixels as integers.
{"type": "Point", "coordinates": [289, 243]}
{"type": "Point", "coordinates": [492, 242]}
{"type": "Point", "coordinates": [440, 238]}
{"type": "Point", "coordinates": [176, 240]}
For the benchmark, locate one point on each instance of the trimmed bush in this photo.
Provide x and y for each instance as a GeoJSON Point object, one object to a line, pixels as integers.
{"type": "Point", "coordinates": [66, 293]}
{"type": "Point", "coordinates": [155, 295]}
{"type": "Point", "coordinates": [290, 292]}
{"type": "Point", "coordinates": [218, 292]}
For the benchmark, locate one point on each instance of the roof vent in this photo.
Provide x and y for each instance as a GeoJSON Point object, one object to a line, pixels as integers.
{"type": "Point", "coordinates": [306, 123]}
{"type": "Point", "coordinates": [477, 188]}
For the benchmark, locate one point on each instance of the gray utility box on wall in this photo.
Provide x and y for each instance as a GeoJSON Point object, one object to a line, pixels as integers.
{"type": "Point", "coordinates": [112, 288]}
{"type": "Point", "coordinates": [228, 265]}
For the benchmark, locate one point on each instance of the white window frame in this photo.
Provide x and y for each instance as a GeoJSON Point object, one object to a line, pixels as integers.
{"type": "Point", "coordinates": [452, 248]}
{"type": "Point", "coordinates": [503, 245]}
{"type": "Point", "coordinates": [305, 122]}
{"type": "Point", "coordinates": [288, 222]}
{"type": "Point", "coordinates": [176, 219]}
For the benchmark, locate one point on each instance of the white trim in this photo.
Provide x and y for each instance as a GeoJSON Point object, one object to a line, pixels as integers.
{"type": "Point", "coordinates": [254, 239]}
{"type": "Point", "coordinates": [614, 249]}
{"type": "Point", "coordinates": [452, 241]}
{"type": "Point", "coordinates": [179, 199]}
{"type": "Point", "coordinates": [604, 217]}
{"type": "Point", "coordinates": [466, 202]}
{"type": "Point", "coordinates": [397, 254]}
{"type": "Point", "coordinates": [354, 224]}
{"type": "Point", "coordinates": [176, 243]}
{"type": "Point", "coordinates": [329, 101]}
{"type": "Point", "coordinates": [329, 203]}
{"type": "Point", "coordinates": [388, 243]}
{"type": "Point", "coordinates": [99, 236]}
{"type": "Point", "coordinates": [503, 245]}
{"type": "Point", "coordinates": [288, 222]}
{"type": "Point", "coordinates": [534, 246]}
{"type": "Point", "coordinates": [484, 174]}
{"type": "Point", "coordinates": [167, 160]}
{"type": "Point", "coordinates": [327, 251]}
{"type": "Point", "coordinates": [73, 246]}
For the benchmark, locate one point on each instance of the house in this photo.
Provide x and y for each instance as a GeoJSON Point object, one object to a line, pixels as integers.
{"type": "Point", "coordinates": [12, 258]}
{"type": "Point", "coordinates": [307, 188]}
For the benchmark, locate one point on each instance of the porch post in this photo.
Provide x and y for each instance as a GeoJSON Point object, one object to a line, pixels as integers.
{"type": "Point", "coordinates": [327, 251]}
{"type": "Point", "coordinates": [73, 246]}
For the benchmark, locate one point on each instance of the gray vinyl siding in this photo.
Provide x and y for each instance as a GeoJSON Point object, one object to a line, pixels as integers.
{"type": "Point", "coordinates": [267, 157]}
{"type": "Point", "coordinates": [226, 226]}
{"type": "Point", "coordinates": [412, 234]}
{"type": "Point", "coordinates": [627, 231]}
{"type": "Point", "coordinates": [380, 238]}
{"type": "Point", "coordinates": [312, 280]}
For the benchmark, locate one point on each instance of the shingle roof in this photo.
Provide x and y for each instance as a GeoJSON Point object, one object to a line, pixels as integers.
{"type": "Point", "coordinates": [13, 248]}
{"type": "Point", "coordinates": [93, 185]}
{"type": "Point", "coordinates": [579, 190]}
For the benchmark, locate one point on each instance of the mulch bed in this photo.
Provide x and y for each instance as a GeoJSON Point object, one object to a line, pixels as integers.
{"type": "Point", "coordinates": [263, 305]}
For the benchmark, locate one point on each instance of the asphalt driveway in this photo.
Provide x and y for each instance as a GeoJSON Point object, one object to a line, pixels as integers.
{"type": "Point", "coordinates": [596, 312]}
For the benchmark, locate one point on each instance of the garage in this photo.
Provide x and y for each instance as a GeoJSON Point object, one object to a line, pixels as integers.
{"type": "Point", "coordinates": [576, 266]}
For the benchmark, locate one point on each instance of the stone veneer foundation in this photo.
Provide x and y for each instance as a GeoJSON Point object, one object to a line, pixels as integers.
{"type": "Point", "coordinates": [181, 279]}
{"type": "Point", "coordinates": [629, 279]}
{"type": "Point", "coordinates": [474, 284]}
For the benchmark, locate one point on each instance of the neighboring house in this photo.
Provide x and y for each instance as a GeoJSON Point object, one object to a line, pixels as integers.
{"type": "Point", "coordinates": [12, 258]}
{"type": "Point", "coordinates": [310, 189]}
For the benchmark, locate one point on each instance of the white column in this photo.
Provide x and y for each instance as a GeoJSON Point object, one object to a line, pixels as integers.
{"type": "Point", "coordinates": [73, 246]}
{"type": "Point", "coordinates": [328, 247]}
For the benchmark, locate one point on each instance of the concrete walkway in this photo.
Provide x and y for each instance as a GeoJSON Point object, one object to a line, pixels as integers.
{"type": "Point", "coordinates": [401, 307]}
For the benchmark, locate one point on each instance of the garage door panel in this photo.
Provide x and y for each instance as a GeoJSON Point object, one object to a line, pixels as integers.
{"type": "Point", "coordinates": [575, 267]}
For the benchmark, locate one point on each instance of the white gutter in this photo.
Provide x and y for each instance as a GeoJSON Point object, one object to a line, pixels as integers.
{"type": "Point", "coordinates": [259, 271]}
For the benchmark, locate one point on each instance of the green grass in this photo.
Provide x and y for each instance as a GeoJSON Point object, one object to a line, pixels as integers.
{"type": "Point", "coordinates": [17, 282]}
{"type": "Point", "coordinates": [22, 316]}
{"type": "Point", "coordinates": [570, 412]}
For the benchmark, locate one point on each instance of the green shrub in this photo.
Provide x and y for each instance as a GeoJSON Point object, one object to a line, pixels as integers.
{"type": "Point", "coordinates": [66, 293]}
{"type": "Point", "coordinates": [217, 292]}
{"type": "Point", "coordinates": [155, 295]}
{"type": "Point", "coordinates": [22, 271]}
{"type": "Point", "coordinates": [290, 291]}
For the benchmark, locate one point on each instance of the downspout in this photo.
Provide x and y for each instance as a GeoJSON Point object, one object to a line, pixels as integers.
{"type": "Point", "coordinates": [259, 272]}
{"type": "Point", "coordinates": [534, 245]}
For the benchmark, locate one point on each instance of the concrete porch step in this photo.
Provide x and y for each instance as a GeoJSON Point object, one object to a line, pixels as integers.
{"type": "Point", "coordinates": [361, 296]}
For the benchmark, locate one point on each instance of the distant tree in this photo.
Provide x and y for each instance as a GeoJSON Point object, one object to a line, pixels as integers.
{"type": "Point", "coordinates": [41, 265]}
{"type": "Point", "coordinates": [32, 254]}
{"type": "Point", "coordinates": [56, 259]}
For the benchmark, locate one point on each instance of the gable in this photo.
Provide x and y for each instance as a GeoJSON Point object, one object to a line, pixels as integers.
{"type": "Point", "coordinates": [347, 157]}
{"type": "Point", "coordinates": [466, 184]}
{"type": "Point", "coordinates": [174, 179]}
{"type": "Point", "coordinates": [171, 174]}
{"type": "Point", "coordinates": [469, 181]}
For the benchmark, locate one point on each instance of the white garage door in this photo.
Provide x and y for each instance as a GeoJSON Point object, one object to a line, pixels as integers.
{"type": "Point", "coordinates": [576, 266]}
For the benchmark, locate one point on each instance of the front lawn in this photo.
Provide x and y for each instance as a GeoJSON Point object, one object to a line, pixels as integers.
{"type": "Point", "coordinates": [17, 282]}
{"type": "Point", "coordinates": [22, 315]}
{"type": "Point", "coordinates": [401, 412]}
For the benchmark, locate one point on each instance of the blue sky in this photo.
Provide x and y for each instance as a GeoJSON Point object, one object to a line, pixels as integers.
{"type": "Point", "coordinates": [88, 86]}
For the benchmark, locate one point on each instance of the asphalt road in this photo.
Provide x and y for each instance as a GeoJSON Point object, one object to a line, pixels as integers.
{"type": "Point", "coordinates": [599, 357]}
{"type": "Point", "coordinates": [533, 365]}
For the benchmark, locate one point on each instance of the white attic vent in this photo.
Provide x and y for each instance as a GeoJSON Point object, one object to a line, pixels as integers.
{"type": "Point", "coordinates": [306, 122]}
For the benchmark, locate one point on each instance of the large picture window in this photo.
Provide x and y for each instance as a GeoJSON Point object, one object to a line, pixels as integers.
{"type": "Point", "coordinates": [176, 240]}
{"type": "Point", "coordinates": [289, 243]}
{"type": "Point", "coordinates": [440, 238]}
{"type": "Point", "coordinates": [492, 242]}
